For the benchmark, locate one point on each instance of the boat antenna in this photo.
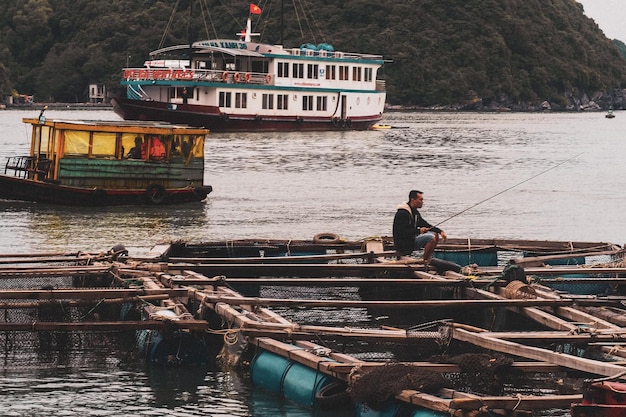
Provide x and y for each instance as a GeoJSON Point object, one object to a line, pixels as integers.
{"type": "Point", "coordinates": [508, 189]}
{"type": "Point", "coordinates": [282, 12]}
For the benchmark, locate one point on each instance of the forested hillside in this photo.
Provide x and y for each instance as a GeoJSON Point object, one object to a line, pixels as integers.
{"type": "Point", "coordinates": [520, 52]}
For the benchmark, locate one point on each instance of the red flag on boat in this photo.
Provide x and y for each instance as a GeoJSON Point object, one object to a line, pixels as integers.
{"type": "Point", "coordinates": [254, 9]}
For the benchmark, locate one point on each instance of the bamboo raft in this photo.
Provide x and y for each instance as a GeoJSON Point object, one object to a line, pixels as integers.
{"type": "Point", "coordinates": [179, 292]}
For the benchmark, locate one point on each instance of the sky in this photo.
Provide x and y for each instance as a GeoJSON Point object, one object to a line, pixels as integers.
{"type": "Point", "coordinates": [610, 15]}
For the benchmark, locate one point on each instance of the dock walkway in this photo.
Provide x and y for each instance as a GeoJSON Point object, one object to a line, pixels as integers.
{"type": "Point", "coordinates": [197, 298]}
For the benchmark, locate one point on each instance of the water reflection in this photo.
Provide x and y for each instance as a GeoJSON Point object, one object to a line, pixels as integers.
{"type": "Point", "coordinates": [50, 228]}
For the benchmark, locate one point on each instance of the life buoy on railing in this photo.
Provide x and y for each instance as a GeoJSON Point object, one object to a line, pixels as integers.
{"type": "Point", "coordinates": [268, 78]}
{"type": "Point", "coordinates": [225, 76]}
{"type": "Point", "coordinates": [247, 77]}
{"type": "Point", "coordinates": [237, 77]}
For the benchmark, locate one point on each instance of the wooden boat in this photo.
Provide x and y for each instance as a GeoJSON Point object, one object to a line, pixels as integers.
{"type": "Point", "coordinates": [240, 85]}
{"type": "Point", "coordinates": [602, 399]}
{"type": "Point", "coordinates": [102, 163]}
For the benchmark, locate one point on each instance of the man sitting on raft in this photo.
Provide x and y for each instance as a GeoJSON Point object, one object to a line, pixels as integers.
{"type": "Point", "coordinates": [411, 232]}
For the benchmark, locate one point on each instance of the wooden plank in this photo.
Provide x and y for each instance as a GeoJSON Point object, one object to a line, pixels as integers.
{"type": "Point", "coordinates": [283, 259]}
{"type": "Point", "coordinates": [158, 251]}
{"type": "Point", "coordinates": [74, 303]}
{"type": "Point", "coordinates": [105, 325]}
{"type": "Point", "coordinates": [90, 294]}
{"type": "Point", "coordinates": [311, 281]}
{"type": "Point", "coordinates": [392, 304]}
{"type": "Point", "coordinates": [513, 403]}
{"type": "Point", "coordinates": [345, 366]}
{"type": "Point", "coordinates": [425, 400]}
{"type": "Point", "coordinates": [538, 315]}
{"type": "Point", "coordinates": [568, 361]}
{"type": "Point", "coordinates": [565, 337]}
{"type": "Point", "coordinates": [313, 270]}
{"type": "Point", "coordinates": [540, 260]}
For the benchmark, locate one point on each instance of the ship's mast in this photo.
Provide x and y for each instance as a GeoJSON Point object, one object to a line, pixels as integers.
{"type": "Point", "coordinates": [248, 33]}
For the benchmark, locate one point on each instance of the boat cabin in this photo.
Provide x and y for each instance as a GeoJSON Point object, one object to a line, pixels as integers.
{"type": "Point", "coordinates": [157, 161]}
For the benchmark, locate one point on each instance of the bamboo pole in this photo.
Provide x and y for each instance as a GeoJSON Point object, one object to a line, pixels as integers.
{"type": "Point", "coordinates": [90, 294]}
{"type": "Point", "coordinates": [562, 359]}
{"type": "Point", "coordinates": [76, 303]}
{"type": "Point", "coordinates": [540, 260]}
{"type": "Point", "coordinates": [483, 303]}
{"type": "Point", "coordinates": [104, 325]}
{"type": "Point", "coordinates": [283, 259]}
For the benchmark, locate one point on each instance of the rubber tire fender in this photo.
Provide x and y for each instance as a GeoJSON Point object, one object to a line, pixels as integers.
{"type": "Point", "coordinates": [333, 395]}
{"type": "Point", "coordinates": [326, 237]}
{"type": "Point", "coordinates": [155, 194]}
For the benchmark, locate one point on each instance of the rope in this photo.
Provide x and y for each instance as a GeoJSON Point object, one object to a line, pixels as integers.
{"type": "Point", "coordinates": [91, 311]}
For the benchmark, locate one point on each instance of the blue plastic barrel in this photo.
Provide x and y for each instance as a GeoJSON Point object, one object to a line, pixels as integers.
{"type": "Point", "coordinates": [268, 371]}
{"type": "Point", "coordinates": [301, 383]}
{"type": "Point", "coordinates": [296, 382]}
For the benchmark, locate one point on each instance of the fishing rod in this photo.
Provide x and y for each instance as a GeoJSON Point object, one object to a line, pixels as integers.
{"type": "Point", "coordinates": [508, 189]}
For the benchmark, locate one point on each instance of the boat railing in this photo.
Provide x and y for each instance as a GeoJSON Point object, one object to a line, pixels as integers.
{"type": "Point", "coordinates": [381, 85]}
{"type": "Point", "coordinates": [229, 77]}
{"type": "Point", "coordinates": [27, 166]}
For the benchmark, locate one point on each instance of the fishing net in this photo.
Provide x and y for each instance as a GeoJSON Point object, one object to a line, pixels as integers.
{"type": "Point", "coordinates": [377, 387]}
{"type": "Point", "coordinates": [25, 344]}
{"type": "Point", "coordinates": [480, 372]}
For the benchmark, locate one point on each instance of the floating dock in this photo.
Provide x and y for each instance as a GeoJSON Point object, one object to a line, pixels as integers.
{"type": "Point", "coordinates": [330, 323]}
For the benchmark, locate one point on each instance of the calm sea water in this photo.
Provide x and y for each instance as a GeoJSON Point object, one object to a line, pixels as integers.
{"type": "Point", "coordinates": [533, 176]}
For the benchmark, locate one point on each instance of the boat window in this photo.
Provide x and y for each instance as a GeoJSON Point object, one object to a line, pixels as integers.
{"type": "Point", "coordinates": [157, 148]}
{"type": "Point", "coordinates": [312, 71]}
{"type": "Point", "coordinates": [322, 103]}
{"type": "Point", "coordinates": [197, 150]}
{"type": "Point", "coordinates": [283, 70]}
{"type": "Point", "coordinates": [241, 100]}
{"type": "Point", "coordinates": [307, 103]}
{"type": "Point", "coordinates": [103, 144]}
{"type": "Point", "coordinates": [128, 143]}
{"type": "Point", "coordinates": [225, 99]}
{"type": "Point", "coordinates": [76, 143]}
{"type": "Point", "coordinates": [186, 147]}
{"type": "Point", "coordinates": [282, 102]}
{"type": "Point", "coordinates": [267, 101]}
{"type": "Point", "coordinates": [331, 72]}
{"type": "Point", "coordinates": [343, 72]}
{"type": "Point", "coordinates": [45, 136]}
{"type": "Point", "coordinates": [298, 70]}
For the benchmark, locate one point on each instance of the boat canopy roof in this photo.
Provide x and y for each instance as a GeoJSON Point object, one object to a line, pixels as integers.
{"type": "Point", "coordinates": [204, 47]}
{"type": "Point", "coordinates": [126, 126]}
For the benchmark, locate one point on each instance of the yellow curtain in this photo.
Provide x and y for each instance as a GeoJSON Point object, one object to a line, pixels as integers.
{"type": "Point", "coordinates": [103, 144]}
{"type": "Point", "coordinates": [76, 143]}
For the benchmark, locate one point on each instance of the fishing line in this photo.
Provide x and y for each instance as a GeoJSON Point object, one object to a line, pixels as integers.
{"type": "Point", "coordinates": [508, 189]}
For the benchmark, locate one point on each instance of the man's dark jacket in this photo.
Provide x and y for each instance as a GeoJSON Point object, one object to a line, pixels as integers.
{"type": "Point", "coordinates": [406, 225]}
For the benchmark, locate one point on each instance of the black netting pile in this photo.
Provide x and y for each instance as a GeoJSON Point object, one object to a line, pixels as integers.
{"type": "Point", "coordinates": [380, 385]}
{"type": "Point", "coordinates": [480, 372]}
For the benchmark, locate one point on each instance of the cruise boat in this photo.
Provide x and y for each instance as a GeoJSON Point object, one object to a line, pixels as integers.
{"type": "Point", "coordinates": [103, 163]}
{"type": "Point", "coordinates": [240, 85]}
